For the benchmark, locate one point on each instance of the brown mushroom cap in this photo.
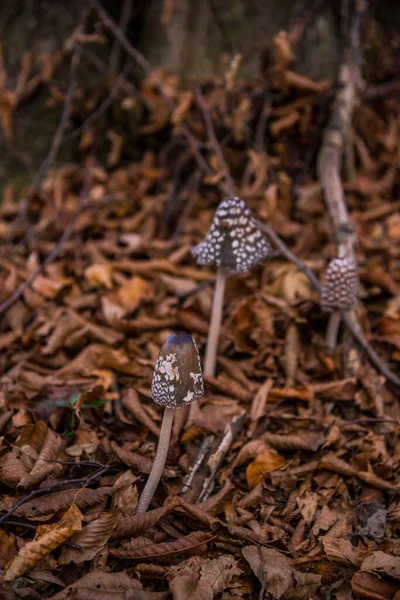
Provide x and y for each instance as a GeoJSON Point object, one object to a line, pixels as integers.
{"type": "Point", "coordinates": [177, 379]}
{"type": "Point", "coordinates": [234, 241]}
{"type": "Point", "coordinates": [339, 290]}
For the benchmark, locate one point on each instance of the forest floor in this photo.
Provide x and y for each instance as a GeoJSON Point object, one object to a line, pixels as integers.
{"type": "Point", "coordinates": [294, 494]}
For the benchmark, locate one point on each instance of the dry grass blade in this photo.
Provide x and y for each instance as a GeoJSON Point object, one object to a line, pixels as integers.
{"type": "Point", "coordinates": [48, 537]}
{"type": "Point", "coordinates": [193, 543]}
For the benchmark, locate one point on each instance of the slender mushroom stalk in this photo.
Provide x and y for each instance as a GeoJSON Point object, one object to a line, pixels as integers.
{"type": "Point", "coordinates": [339, 294]}
{"type": "Point", "coordinates": [234, 244]}
{"type": "Point", "coordinates": [177, 382]}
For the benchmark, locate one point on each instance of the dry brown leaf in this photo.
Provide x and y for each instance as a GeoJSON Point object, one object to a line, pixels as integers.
{"type": "Point", "coordinates": [92, 539]}
{"type": "Point", "coordinates": [378, 482]}
{"type": "Point", "coordinates": [132, 292]}
{"type": "Point", "coordinates": [278, 577]}
{"type": "Point", "coordinates": [195, 543]}
{"type": "Point", "coordinates": [51, 503]}
{"type": "Point", "coordinates": [99, 585]}
{"type": "Point", "coordinates": [14, 466]}
{"type": "Point", "coordinates": [201, 578]}
{"type": "Point", "coordinates": [130, 401]}
{"type": "Point", "coordinates": [367, 586]}
{"type": "Point", "coordinates": [99, 274]}
{"type": "Point", "coordinates": [47, 538]}
{"type": "Point", "coordinates": [8, 548]}
{"type": "Point", "coordinates": [52, 445]}
{"type": "Point", "coordinates": [94, 357]}
{"type": "Point", "coordinates": [132, 526]}
{"type": "Point", "coordinates": [324, 521]}
{"type": "Point", "coordinates": [33, 435]}
{"type": "Point", "coordinates": [264, 463]}
{"type": "Point", "coordinates": [342, 550]}
{"type": "Point", "coordinates": [303, 441]}
{"type": "Point", "coordinates": [332, 463]}
{"type": "Point", "coordinates": [382, 563]}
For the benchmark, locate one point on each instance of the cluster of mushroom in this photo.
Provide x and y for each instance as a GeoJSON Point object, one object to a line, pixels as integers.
{"type": "Point", "coordinates": [234, 244]}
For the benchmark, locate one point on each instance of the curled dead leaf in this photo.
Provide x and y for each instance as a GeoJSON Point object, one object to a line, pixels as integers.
{"type": "Point", "coordinates": [47, 538]}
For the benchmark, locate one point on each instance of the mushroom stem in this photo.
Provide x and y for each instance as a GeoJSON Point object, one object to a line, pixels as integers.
{"type": "Point", "coordinates": [215, 323]}
{"type": "Point", "coordinates": [159, 462]}
{"type": "Point", "coordinates": [332, 331]}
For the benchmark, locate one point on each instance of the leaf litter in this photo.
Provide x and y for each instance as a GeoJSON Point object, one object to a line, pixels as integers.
{"type": "Point", "coordinates": [294, 495]}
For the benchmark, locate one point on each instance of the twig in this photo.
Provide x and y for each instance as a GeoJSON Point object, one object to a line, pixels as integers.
{"type": "Point", "coordinates": [215, 460]}
{"type": "Point", "coordinates": [200, 456]}
{"type": "Point", "coordinates": [370, 352]}
{"type": "Point", "coordinates": [85, 481]}
{"type": "Point", "coordinates": [59, 134]}
{"type": "Point", "coordinates": [214, 141]}
{"type": "Point", "coordinates": [100, 110]}
{"type": "Point", "coordinates": [56, 250]}
{"type": "Point", "coordinates": [123, 23]}
{"type": "Point", "coordinates": [275, 239]}
{"type": "Point", "coordinates": [146, 66]}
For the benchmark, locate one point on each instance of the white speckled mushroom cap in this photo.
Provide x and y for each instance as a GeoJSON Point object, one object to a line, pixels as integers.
{"type": "Point", "coordinates": [339, 290]}
{"type": "Point", "coordinates": [234, 241]}
{"type": "Point", "coordinates": [177, 379]}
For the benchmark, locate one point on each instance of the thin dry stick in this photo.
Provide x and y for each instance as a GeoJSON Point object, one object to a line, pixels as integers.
{"type": "Point", "coordinates": [215, 324]}
{"type": "Point", "coordinates": [159, 462]}
{"type": "Point", "coordinates": [214, 141]}
{"type": "Point", "coordinates": [126, 14]}
{"type": "Point", "coordinates": [201, 454]}
{"type": "Point", "coordinates": [59, 134]}
{"type": "Point", "coordinates": [146, 66]}
{"type": "Point", "coordinates": [54, 253]}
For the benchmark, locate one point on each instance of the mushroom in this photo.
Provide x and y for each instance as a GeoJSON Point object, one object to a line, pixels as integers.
{"type": "Point", "coordinates": [235, 244]}
{"type": "Point", "coordinates": [339, 294]}
{"type": "Point", "coordinates": [177, 381]}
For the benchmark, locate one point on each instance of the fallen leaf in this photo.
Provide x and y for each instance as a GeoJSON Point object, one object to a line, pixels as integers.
{"type": "Point", "coordinates": [92, 539]}
{"type": "Point", "coordinates": [99, 274]}
{"type": "Point", "coordinates": [382, 563]}
{"type": "Point", "coordinates": [47, 538]}
{"type": "Point", "coordinates": [264, 463]}
{"type": "Point", "coordinates": [278, 578]}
